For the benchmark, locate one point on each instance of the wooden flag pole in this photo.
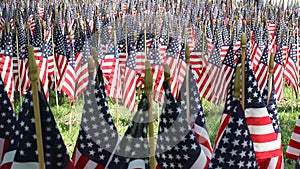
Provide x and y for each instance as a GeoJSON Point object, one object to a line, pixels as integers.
{"type": "Point", "coordinates": [271, 70]}
{"type": "Point", "coordinates": [203, 41]}
{"type": "Point", "coordinates": [35, 84]}
{"type": "Point", "coordinates": [187, 80]}
{"type": "Point", "coordinates": [148, 92]}
{"type": "Point", "coordinates": [117, 101]}
{"type": "Point", "coordinates": [19, 62]}
{"type": "Point", "coordinates": [55, 66]}
{"type": "Point", "coordinates": [244, 45]}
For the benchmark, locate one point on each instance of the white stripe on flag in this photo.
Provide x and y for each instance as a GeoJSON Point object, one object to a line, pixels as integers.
{"type": "Point", "coordinates": [25, 165]}
{"type": "Point", "coordinates": [137, 164]}
{"type": "Point", "coordinates": [200, 162]}
{"type": "Point", "coordinates": [9, 157]}
{"type": "Point", "coordinates": [256, 112]}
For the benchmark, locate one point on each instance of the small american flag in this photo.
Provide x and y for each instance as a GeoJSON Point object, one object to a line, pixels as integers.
{"type": "Point", "coordinates": [234, 147]}
{"type": "Point", "coordinates": [278, 73]}
{"type": "Point", "coordinates": [22, 83]}
{"type": "Point", "coordinates": [175, 130]}
{"type": "Point", "coordinates": [6, 65]}
{"type": "Point", "coordinates": [81, 65]}
{"type": "Point", "coordinates": [197, 114]}
{"type": "Point", "coordinates": [7, 120]}
{"type": "Point", "coordinates": [140, 60]}
{"type": "Point", "coordinates": [129, 86]}
{"type": "Point", "coordinates": [267, 143]}
{"type": "Point", "coordinates": [98, 135]}
{"type": "Point", "coordinates": [290, 71]}
{"type": "Point", "coordinates": [133, 151]}
{"type": "Point", "coordinates": [66, 73]}
{"type": "Point", "coordinates": [223, 80]}
{"type": "Point", "coordinates": [275, 162]}
{"type": "Point", "coordinates": [262, 70]}
{"type": "Point", "coordinates": [22, 150]}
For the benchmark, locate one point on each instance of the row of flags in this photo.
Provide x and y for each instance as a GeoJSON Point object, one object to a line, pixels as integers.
{"type": "Point", "coordinates": [247, 137]}
{"type": "Point", "coordinates": [200, 37]}
{"type": "Point", "coordinates": [64, 37]}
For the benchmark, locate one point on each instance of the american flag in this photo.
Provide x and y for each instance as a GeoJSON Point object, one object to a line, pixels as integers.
{"type": "Point", "coordinates": [278, 73]}
{"type": "Point", "coordinates": [82, 53]}
{"type": "Point", "coordinates": [209, 39]}
{"type": "Point", "coordinates": [196, 114]}
{"type": "Point", "coordinates": [290, 72]}
{"type": "Point", "coordinates": [22, 83]}
{"type": "Point", "coordinates": [41, 58]}
{"type": "Point", "coordinates": [293, 149]}
{"type": "Point", "coordinates": [181, 65]}
{"type": "Point", "coordinates": [206, 82]}
{"type": "Point", "coordinates": [234, 147]}
{"type": "Point", "coordinates": [6, 65]}
{"type": "Point", "coordinates": [129, 86]}
{"type": "Point", "coordinates": [98, 135]}
{"type": "Point", "coordinates": [66, 73]}
{"type": "Point", "coordinates": [122, 56]}
{"type": "Point", "coordinates": [171, 59]}
{"type": "Point", "coordinates": [267, 143]}
{"type": "Point", "coordinates": [133, 150]}
{"type": "Point", "coordinates": [109, 63]}
{"type": "Point", "coordinates": [255, 56]}
{"type": "Point", "coordinates": [7, 121]}
{"type": "Point", "coordinates": [140, 60]}
{"type": "Point", "coordinates": [158, 74]}
{"type": "Point", "coordinates": [196, 54]}
{"type": "Point", "coordinates": [177, 146]}
{"type": "Point", "coordinates": [22, 150]}
{"type": "Point", "coordinates": [113, 88]}
{"type": "Point", "coordinates": [223, 80]}
{"type": "Point", "coordinates": [262, 70]}
{"type": "Point", "coordinates": [275, 162]}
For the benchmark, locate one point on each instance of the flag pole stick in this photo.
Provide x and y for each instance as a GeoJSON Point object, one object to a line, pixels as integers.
{"type": "Point", "coordinates": [148, 92]}
{"type": "Point", "coordinates": [187, 80]}
{"type": "Point", "coordinates": [19, 68]}
{"type": "Point", "coordinates": [271, 69]}
{"type": "Point", "coordinates": [244, 45]}
{"type": "Point", "coordinates": [203, 41]}
{"type": "Point", "coordinates": [35, 84]}
{"type": "Point", "coordinates": [55, 66]}
{"type": "Point", "coordinates": [117, 101]}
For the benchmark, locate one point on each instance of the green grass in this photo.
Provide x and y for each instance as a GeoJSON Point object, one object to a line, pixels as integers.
{"type": "Point", "coordinates": [69, 121]}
